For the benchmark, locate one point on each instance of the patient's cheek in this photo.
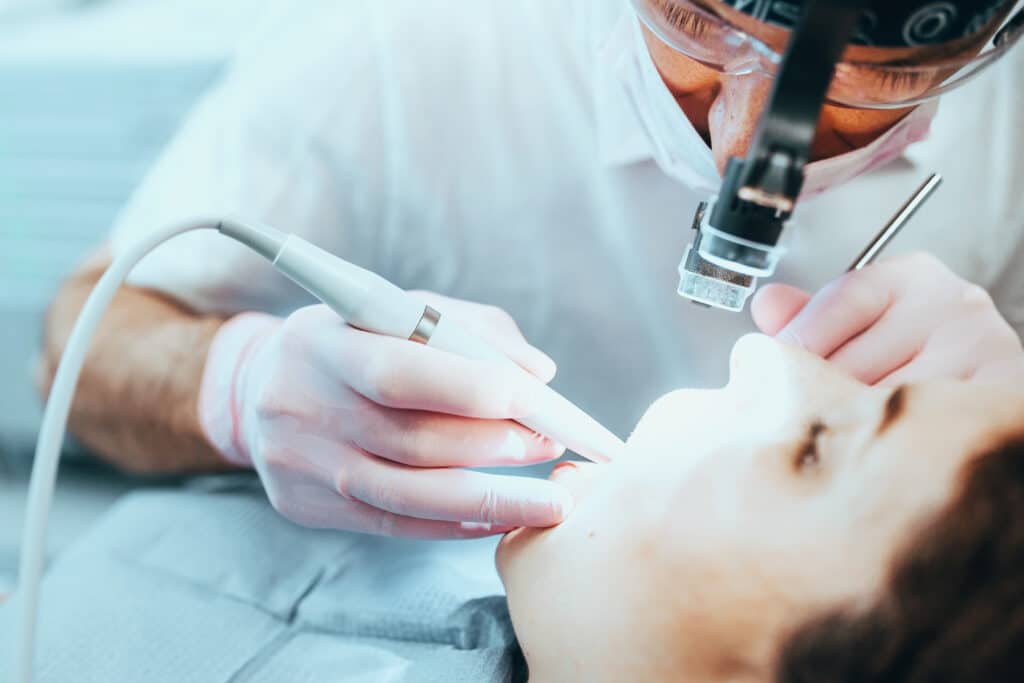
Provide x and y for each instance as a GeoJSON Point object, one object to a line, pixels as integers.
{"type": "Point", "coordinates": [577, 477]}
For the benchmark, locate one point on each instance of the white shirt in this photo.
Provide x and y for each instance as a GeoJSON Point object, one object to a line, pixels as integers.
{"type": "Point", "coordinates": [492, 151]}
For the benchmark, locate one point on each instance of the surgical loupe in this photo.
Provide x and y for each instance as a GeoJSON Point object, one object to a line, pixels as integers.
{"type": "Point", "coordinates": [737, 232]}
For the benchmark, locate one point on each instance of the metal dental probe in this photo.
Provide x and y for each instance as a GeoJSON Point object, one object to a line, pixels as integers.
{"type": "Point", "coordinates": [896, 223]}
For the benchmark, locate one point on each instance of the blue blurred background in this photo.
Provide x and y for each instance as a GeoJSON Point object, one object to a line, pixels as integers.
{"type": "Point", "coordinates": [90, 91]}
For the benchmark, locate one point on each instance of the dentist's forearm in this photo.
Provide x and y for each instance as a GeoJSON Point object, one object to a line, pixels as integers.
{"type": "Point", "coordinates": [136, 403]}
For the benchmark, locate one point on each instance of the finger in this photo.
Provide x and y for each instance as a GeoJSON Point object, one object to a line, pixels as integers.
{"type": "Point", "coordinates": [972, 347]}
{"type": "Point", "coordinates": [423, 439]}
{"type": "Point", "coordinates": [891, 343]}
{"type": "Point", "coordinates": [455, 495]}
{"type": "Point", "coordinates": [399, 374]}
{"type": "Point", "coordinates": [948, 364]}
{"type": "Point", "coordinates": [775, 305]}
{"type": "Point", "coordinates": [839, 312]}
{"type": "Point", "coordinates": [497, 328]}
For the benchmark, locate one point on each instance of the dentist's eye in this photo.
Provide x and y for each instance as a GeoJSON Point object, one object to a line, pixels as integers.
{"type": "Point", "coordinates": [690, 23]}
{"type": "Point", "coordinates": [807, 454]}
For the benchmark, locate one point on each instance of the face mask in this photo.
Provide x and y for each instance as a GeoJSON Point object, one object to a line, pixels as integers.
{"type": "Point", "coordinates": [679, 149]}
{"type": "Point", "coordinates": [823, 175]}
{"type": "Point", "coordinates": [681, 152]}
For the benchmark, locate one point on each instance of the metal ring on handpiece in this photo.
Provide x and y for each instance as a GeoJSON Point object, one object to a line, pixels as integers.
{"type": "Point", "coordinates": [426, 327]}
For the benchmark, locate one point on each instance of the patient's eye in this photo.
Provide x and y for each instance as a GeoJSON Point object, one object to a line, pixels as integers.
{"type": "Point", "coordinates": [807, 454]}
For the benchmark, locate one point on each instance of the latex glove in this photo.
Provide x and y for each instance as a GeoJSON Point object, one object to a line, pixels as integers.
{"type": "Point", "coordinates": [901, 320]}
{"type": "Point", "coordinates": [357, 431]}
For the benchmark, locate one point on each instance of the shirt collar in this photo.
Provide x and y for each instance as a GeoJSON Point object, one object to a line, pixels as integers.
{"type": "Point", "coordinates": [622, 140]}
{"type": "Point", "coordinates": [638, 118]}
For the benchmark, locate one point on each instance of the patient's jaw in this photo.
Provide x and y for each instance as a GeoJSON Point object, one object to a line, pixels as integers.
{"type": "Point", "coordinates": [737, 514]}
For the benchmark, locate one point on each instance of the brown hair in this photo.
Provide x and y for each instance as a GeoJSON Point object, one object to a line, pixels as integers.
{"type": "Point", "coordinates": [953, 605]}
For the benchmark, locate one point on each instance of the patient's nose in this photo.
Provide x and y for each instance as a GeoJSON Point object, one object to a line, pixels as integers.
{"type": "Point", "coordinates": [769, 382]}
{"type": "Point", "coordinates": [772, 377]}
{"type": "Point", "coordinates": [756, 358]}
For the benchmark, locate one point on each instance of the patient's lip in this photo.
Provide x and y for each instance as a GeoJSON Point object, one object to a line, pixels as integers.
{"type": "Point", "coordinates": [565, 473]}
{"type": "Point", "coordinates": [576, 477]}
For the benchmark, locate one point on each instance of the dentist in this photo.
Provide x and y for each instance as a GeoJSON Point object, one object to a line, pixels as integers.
{"type": "Point", "coordinates": [543, 157]}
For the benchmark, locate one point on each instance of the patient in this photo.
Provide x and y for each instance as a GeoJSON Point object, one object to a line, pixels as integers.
{"type": "Point", "coordinates": [794, 526]}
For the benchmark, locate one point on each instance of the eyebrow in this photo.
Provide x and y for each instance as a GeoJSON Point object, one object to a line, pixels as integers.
{"type": "Point", "coordinates": [894, 408]}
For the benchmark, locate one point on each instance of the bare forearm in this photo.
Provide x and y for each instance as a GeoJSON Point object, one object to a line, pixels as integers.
{"type": "Point", "coordinates": [137, 397]}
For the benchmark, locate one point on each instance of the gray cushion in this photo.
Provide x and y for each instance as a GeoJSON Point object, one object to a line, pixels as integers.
{"type": "Point", "coordinates": [214, 586]}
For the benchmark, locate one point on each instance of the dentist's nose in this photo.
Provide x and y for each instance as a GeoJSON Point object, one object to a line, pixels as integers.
{"type": "Point", "coordinates": [734, 115]}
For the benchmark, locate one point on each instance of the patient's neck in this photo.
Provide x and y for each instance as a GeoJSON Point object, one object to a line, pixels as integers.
{"type": "Point", "coordinates": [608, 677]}
{"type": "Point", "coordinates": [611, 667]}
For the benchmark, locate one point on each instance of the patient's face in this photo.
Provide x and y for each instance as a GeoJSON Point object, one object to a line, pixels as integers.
{"type": "Point", "coordinates": [735, 515]}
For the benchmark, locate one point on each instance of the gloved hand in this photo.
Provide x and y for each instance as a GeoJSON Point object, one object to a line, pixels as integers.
{"type": "Point", "coordinates": [901, 320]}
{"type": "Point", "coordinates": [357, 431]}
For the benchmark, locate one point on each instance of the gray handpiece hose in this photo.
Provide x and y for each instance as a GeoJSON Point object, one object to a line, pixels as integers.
{"type": "Point", "coordinates": [360, 297]}
{"type": "Point", "coordinates": [369, 302]}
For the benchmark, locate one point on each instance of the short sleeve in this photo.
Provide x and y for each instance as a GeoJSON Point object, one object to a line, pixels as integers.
{"type": "Point", "coordinates": [221, 163]}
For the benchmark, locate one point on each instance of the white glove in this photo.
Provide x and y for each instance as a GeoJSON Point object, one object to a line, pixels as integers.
{"type": "Point", "coordinates": [357, 431]}
{"type": "Point", "coordinates": [902, 320]}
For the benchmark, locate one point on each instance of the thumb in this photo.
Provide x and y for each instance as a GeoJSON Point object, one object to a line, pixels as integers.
{"type": "Point", "coordinates": [775, 305]}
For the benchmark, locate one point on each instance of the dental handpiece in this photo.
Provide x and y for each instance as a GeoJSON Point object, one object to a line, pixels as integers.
{"type": "Point", "coordinates": [371, 303]}
{"type": "Point", "coordinates": [361, 298]}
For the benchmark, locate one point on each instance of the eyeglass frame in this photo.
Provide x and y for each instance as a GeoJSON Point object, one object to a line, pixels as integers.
{"type": "Point", "coordinates": [1004, 39]}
